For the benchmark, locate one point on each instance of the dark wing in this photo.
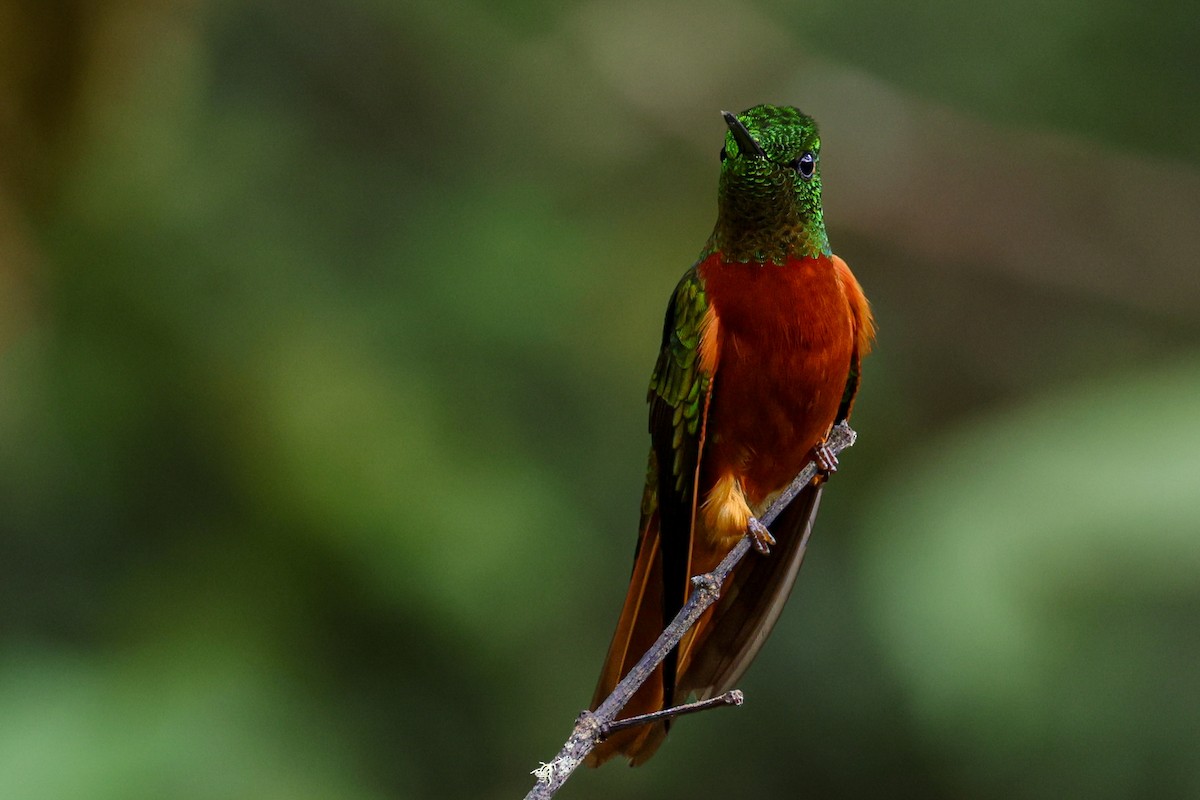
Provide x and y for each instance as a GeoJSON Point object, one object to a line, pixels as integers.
{"type": "Point", "coordinates": [679, 396]}
{"type": "Point", "coordinates": [751, 601]}
{"type": "Point", "coordinates": [851, 390]}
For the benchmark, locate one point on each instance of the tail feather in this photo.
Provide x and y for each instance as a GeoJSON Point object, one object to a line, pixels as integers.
{"type": "Point", "coordinates": [719, 648]}
{"type": "Point", "coordinates": [640, 625]}
{"type": "Point", "coordinates": [750, 604]}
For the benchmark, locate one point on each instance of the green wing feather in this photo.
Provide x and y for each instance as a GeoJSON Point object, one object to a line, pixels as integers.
{"type": "Point", "coordinates": [679, 396]}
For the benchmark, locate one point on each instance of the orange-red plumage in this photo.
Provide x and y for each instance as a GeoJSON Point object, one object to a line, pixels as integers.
{"type": "Point", "coordinates": [787, 335]}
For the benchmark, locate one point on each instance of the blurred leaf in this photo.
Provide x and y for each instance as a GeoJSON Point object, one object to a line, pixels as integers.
{"type": "Point", "coordinates": [1034, 579]}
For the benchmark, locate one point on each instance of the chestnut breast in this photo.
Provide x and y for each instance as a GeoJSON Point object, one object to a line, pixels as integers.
{"type": "Point", "coordinates": [786, 339]}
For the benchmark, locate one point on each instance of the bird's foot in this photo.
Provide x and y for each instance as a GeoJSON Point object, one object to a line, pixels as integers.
{"type": "Point", "coordinates": [762, 538]}
{"type": "Point", "coordinates": [827, 462]}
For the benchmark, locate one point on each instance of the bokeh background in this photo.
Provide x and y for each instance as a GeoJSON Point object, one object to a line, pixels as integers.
{"type": "Point", "coordinates": [324, 336]}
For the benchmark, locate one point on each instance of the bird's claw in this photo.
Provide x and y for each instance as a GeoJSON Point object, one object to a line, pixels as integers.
{"type": "Point", "coordinates": [761, 538]}
{"type": "Point", "coordinates": [826, 461]}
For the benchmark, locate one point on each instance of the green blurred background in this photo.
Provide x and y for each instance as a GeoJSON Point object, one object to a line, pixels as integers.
{"type": "Point", "coordinates": [324, 336]}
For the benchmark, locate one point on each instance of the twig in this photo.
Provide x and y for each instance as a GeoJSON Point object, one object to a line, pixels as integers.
{"type": "Point", "coordinates": [590, 725]}
{"type": "Point", "coordinates": [733, 697]}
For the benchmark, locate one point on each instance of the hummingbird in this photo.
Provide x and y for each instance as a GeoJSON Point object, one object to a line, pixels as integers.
{"type": "Point", "coordinates": [761, 351]}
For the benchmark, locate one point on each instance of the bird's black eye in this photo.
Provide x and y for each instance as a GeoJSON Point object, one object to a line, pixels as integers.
{"type": "Point", "coordinates": [806, 165]}
{"type": "Point", "coordinates": [724, 155]}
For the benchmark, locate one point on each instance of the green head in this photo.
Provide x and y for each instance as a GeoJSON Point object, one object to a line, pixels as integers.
{"type": "Point", "coordinates": [769, 203]}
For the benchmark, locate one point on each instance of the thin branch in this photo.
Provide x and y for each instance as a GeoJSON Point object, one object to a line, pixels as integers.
{"type": "Point", "coordinates": [733, 697]}
{"type": "Point", "coordinates": [590, 725]}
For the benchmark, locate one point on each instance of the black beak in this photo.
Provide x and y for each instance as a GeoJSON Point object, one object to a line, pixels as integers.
{"type": "Point", "coordinates": [745, 141]}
